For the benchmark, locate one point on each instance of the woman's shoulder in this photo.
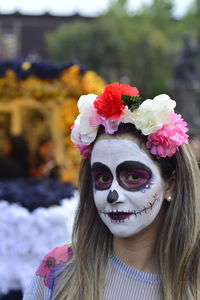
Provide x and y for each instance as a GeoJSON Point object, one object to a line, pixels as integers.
{"type": "Point", "coordinates": [42, 284]}
{"type": "Point", "coordinates": [52, 262]}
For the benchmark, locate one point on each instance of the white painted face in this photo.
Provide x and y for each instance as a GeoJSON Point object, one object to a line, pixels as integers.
{"type": "Point", "coordinates": [128, 188]}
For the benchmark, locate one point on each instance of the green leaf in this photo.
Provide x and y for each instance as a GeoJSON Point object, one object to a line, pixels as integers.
{"type": "Point", "coordinates": [133, 102]}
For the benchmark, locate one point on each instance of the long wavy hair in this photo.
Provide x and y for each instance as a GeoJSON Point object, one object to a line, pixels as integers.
{"type": "Point", "coordinates": [178, 246]}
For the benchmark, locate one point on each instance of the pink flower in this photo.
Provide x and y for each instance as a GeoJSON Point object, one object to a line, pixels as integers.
{"type": "Point", "coordinates": [85, 150]}
{"type": "Point", "coordinates": [95, 120]}
{"type": "Point", "coordinates": [110, 125]}
{"type": "Point", "coordinates": [166, 141]}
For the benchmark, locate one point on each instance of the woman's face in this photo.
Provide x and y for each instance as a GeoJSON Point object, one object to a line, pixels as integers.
{"type": "Point", "coordinates": [128, 188]}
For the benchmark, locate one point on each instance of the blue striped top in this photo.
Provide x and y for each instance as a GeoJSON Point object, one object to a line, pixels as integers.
{"type": "Point", "coordinates": [124, 282]}
{"type": "Point", "coordinates": [121, 280]}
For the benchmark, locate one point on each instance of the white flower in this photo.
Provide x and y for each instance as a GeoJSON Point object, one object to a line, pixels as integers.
{"type": "Point", "coordinates": [85, 102]}
{"type": "Point", "coordinates": [151, 114]}
{"type": "Point", "coordinates": [83, 132]}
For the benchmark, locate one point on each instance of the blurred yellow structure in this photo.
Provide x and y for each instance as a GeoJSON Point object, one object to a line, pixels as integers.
{"type": "Point", "coordinates": [35, 107]}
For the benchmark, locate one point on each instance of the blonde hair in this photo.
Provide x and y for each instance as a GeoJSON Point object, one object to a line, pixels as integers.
{"type": "Point", "coordinates": [178, 247]}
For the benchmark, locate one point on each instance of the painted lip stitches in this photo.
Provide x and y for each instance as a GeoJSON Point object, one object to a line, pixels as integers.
{"type": "Point", "coordinates": [116, 215]}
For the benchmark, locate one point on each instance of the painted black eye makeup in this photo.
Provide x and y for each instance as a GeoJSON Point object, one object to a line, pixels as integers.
{"type": "Point", "coordinates": [102, 177]}
{"type": "Point", "coordinates": [133, 175]}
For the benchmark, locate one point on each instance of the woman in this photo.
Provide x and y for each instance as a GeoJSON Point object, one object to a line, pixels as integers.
{"type": "Point", "coordinates": [137, 229]}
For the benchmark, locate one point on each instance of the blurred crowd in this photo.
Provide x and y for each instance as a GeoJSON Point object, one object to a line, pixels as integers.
{"type": "Point", "coordinates": [16, 161]}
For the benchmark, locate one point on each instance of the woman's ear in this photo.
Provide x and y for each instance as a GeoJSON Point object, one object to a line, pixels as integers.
{"type": "Point", "coordinates": [170, 184]}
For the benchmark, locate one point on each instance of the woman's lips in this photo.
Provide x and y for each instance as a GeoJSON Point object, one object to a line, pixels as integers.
{"type": "Point", "coordinates": [117, 216]}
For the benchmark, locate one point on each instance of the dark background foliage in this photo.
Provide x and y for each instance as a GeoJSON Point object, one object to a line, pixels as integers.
{"type": "Point", "coordinates": [140, 49]}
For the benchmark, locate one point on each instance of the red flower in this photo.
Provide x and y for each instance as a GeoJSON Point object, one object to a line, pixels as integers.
{"type": "Point", "coordinates": [109, 103]}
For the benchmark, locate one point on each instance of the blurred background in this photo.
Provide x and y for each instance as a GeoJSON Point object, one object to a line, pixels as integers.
{"type": "Point", "coordinates": [52, 52]}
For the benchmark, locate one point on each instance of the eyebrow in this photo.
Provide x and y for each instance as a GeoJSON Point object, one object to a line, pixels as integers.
{"type": "Point", "coordinates": [130, 164]}
{"type": "Point", "coordinates": [126, 165]}
{"type": "Point", "coordinates": [97, 166]}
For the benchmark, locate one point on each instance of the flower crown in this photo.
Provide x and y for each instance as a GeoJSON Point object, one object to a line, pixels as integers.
{"type": "Point", "coordinates": [120, 103]}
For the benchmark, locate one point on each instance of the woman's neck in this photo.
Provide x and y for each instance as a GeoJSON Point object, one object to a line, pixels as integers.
{"type": "Point", "coordinates": [139, 250]}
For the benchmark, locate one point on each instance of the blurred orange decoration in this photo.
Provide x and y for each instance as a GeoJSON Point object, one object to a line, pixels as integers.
{"type": "Point", "coordinates": [35, 106]}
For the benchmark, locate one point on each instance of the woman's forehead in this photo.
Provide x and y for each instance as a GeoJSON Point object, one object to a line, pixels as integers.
{"type": "Point", "coordinates": [115, 150]}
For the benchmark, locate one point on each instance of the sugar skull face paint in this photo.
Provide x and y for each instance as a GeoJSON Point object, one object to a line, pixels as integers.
{"type": "Point", "coordinates": [121, 171]}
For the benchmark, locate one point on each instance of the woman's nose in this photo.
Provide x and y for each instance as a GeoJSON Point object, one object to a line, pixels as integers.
{"type": "Point", "coordinates": [112, 196]}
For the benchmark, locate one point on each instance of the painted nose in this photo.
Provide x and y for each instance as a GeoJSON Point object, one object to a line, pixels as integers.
{"type": "Point", "coordinates": [112, 196]}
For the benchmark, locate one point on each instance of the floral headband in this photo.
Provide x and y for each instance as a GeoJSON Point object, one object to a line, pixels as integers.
{"type": "Point", "coordinates": [120, 103]}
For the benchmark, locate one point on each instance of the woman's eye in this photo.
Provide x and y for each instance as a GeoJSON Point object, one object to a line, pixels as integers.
{"type": "Point", "coordinates": [101, 180]}
{"type": "Point", "coordinates": [134, 178]}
